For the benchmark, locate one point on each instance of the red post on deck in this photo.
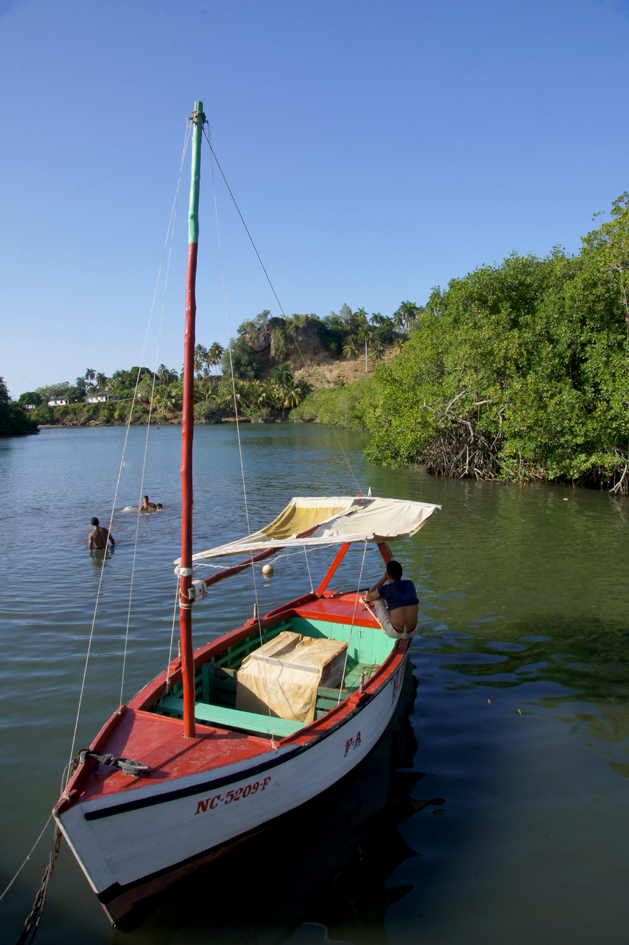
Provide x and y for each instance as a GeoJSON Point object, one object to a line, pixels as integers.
{"type": "Point", "coordinates": [340, 554]}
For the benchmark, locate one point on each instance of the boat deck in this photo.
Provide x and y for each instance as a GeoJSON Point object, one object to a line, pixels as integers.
{"type": "Point", "coordinates": [152, 733]}
{"type": "Point", "coordinates": [156, 741]}
{"type": "Point", "coordinates": [216, 678]}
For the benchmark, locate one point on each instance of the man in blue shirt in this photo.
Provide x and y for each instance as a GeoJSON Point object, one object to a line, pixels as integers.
{"type": "Point", "coordinates": [395, 602]}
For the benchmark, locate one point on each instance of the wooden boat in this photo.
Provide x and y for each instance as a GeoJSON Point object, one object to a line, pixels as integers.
{"type": "Point", "coordinates": [255, 723]}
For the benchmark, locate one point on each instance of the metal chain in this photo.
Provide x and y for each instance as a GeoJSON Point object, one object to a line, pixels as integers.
{"type": "Point", "coordinates": [32, 923]}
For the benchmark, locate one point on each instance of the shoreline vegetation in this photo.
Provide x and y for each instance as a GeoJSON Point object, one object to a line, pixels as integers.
{"type": "Point", "coordinates": [514, 372]}
{"type": "Point", "coordinates": [276, 363]}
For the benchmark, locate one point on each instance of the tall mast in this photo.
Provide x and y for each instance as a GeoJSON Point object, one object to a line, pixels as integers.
{"type": "Point", "coordinates": [187, 430]}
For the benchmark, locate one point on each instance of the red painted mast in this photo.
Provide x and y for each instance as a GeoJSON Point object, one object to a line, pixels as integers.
{"type": "Point", "coordinates": [186, 593]}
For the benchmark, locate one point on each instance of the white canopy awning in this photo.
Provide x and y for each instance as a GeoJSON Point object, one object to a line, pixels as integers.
{"type": "Point", "coordinates": [330, 521]}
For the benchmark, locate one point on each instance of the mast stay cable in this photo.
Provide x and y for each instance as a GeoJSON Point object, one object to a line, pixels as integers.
{"type": "Point", "coordinates": [255, 249]}
{"type": "Point", "coordinates": [242, 467]}
{"type": "Point", "coordinates": [113, 506]}
{"type": "Point", "coordinates": [32, 922]}
{"type": "Point", "coordinates": [172, 221]}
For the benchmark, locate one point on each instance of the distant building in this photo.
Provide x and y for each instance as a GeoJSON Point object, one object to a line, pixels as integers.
{"type": "Point", "coordinates": [101, 398]}
{"type": "Point", "coordinates": [58, 403]}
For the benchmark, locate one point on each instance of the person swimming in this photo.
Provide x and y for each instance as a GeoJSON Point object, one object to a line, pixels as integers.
{"type": "Point", "coordinates": [148, 506]}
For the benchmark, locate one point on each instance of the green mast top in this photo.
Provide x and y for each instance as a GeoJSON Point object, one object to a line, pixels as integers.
{"type": "Point", "coordinates": [198, 118]}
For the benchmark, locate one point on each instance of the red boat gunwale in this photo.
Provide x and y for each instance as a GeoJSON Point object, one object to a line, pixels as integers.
{"type": "Point", "coordinates": [133, 719]}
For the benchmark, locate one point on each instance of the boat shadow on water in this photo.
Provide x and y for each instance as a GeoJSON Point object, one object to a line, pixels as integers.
{"type": "Point", "coordinates": [324, 866]}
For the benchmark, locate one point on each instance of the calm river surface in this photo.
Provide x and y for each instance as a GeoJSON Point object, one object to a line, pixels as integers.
{"type": "Point", "coordinates": [496, 812]}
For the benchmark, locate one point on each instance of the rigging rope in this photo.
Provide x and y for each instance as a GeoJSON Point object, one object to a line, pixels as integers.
{"type": "Point", "coordinates": [102, 568]}
{"type": "Point", "coordinates": [32, 850]}
{"type": "Point", "coordinates": [172, 637]}
{"type": "Point", "coordinates": [360, 577]}
{"type": "Point", "coordinates": [242, 467]}
{"type": "Point", "coordinates": [171, 225]}
{"type": "Point", "coordinates": [129, 767]}
{"type": "Point", "coordinates": [255, 249]}
{"type": "Point", "coordinates": [31, 925]}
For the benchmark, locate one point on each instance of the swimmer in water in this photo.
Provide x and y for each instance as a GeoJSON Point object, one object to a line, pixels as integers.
{"type": "Point", "coordinates": [98, 537]}
{"type": "Point", "coordinates": [147, 506]}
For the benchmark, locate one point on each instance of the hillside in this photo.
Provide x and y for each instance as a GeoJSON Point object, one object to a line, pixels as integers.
{"type": "Point", "coordinates": [301, 347]}
{"type": "Point", "coordinates": [276, 362]}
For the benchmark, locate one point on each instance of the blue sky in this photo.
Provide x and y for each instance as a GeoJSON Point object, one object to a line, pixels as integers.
{"type": "Point", "coordinates": [376, 149]}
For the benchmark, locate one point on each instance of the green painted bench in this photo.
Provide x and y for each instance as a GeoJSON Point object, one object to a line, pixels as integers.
{"type": "Point", "coordinates": [235, 718]}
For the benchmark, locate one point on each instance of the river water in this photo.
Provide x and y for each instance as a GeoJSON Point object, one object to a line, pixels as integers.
{"type": "Point", "coordinates": [494, 811]}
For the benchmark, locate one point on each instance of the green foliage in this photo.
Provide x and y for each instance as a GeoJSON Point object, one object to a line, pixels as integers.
{"type": "Point", "coordinates": [107, 412]}
{"type": "Point", "coordinates": [207, 411]}
{"type": "Point", "coordinates": [43, 414]}
{"type": "Point", "coordinates": [123, 382]}
{"type": "Point", "coordinates": [333, 331]}
{"type": "Point", "coordinates": [30, 398]}
{"type": "Point", "coordinates": [529, 357]}
{"type": "Point", "coordinates": [243, 360]}
{"type": "Point", "coordinates": [346, 405]}
{"type": "Point", "coordinates": [14, 419]}
{"type": "Point", "coordinates": [52, 391]}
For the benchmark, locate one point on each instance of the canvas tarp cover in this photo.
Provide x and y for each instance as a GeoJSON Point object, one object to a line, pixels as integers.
{"type": "Point", "coordinates": [332, 520]}
{"type": "Point", "coordinates": [283, 676]}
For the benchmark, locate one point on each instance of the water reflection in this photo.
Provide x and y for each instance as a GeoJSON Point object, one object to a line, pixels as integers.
{"type": "Point", "coordinates": [321, 870]}
{"type": "Point", "coordinates": [503, 819]}
{"type": "Point", "coordinates": [100, 556]}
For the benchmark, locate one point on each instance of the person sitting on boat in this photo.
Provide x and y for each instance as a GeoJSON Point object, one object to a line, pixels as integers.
{"type": "Point", "coordinates": [146, 505]}
{"type": "Point", "coordinates": [395, 601]}
{"type": "Point", "coordinates": [97, 538]}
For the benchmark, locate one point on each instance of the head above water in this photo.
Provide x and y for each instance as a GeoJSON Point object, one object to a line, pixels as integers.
{"type": "Point", "coordinates": [95, 522]}
{"type": "Point", "coordinates": [394, 570]}
{"type": "Point", "coordinates": [145, 498]}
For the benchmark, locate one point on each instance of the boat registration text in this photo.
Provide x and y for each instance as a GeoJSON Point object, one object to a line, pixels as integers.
{"type": "Point", "coordinates": [212, 802]}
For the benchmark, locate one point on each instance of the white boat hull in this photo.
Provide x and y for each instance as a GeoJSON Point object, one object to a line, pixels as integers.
{"type": "Point", "coordinates": [122, 845]}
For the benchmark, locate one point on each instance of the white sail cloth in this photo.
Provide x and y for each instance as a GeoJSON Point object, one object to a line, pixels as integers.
{"type": "Point", "coordinates": [332, 520]}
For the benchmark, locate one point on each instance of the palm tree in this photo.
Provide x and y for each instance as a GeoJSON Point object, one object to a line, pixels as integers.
{"type": "Point", "coordinates": [377, 350]}
{"type": "Point", "coordinates": [215, 354]}
{"type": "Point", "coordinates": [398, 320]}
{"type": "Point", "coordinates": [302, 389]}
{"type": "Point", "coordinates": [200, 358]}
{"type": "Point", "coordinates": [283, 375]}
{"type": "Point", "coordinates": [291, 399]}
{"type": "Point", "coordinates": [254, 393]}
{"type": "Point", "coordinates": [166, 375]}
{"type": "Point", "coordinates": [270, 395]}
{"type": "Point", "coordinates": [238, 394]}
{"type": "Point", "coordinates": [407, 315]}
{"type": "Point", "coordinates": [163, 399]}
{"type": "Point", "coordinates": [102, 381]}
{"type": "Point", "coordinates": [80, 389]}
{"type": "Point", "coordinates": [364, 334]}
{"type": "Point", "coordinates": [350, 348]}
